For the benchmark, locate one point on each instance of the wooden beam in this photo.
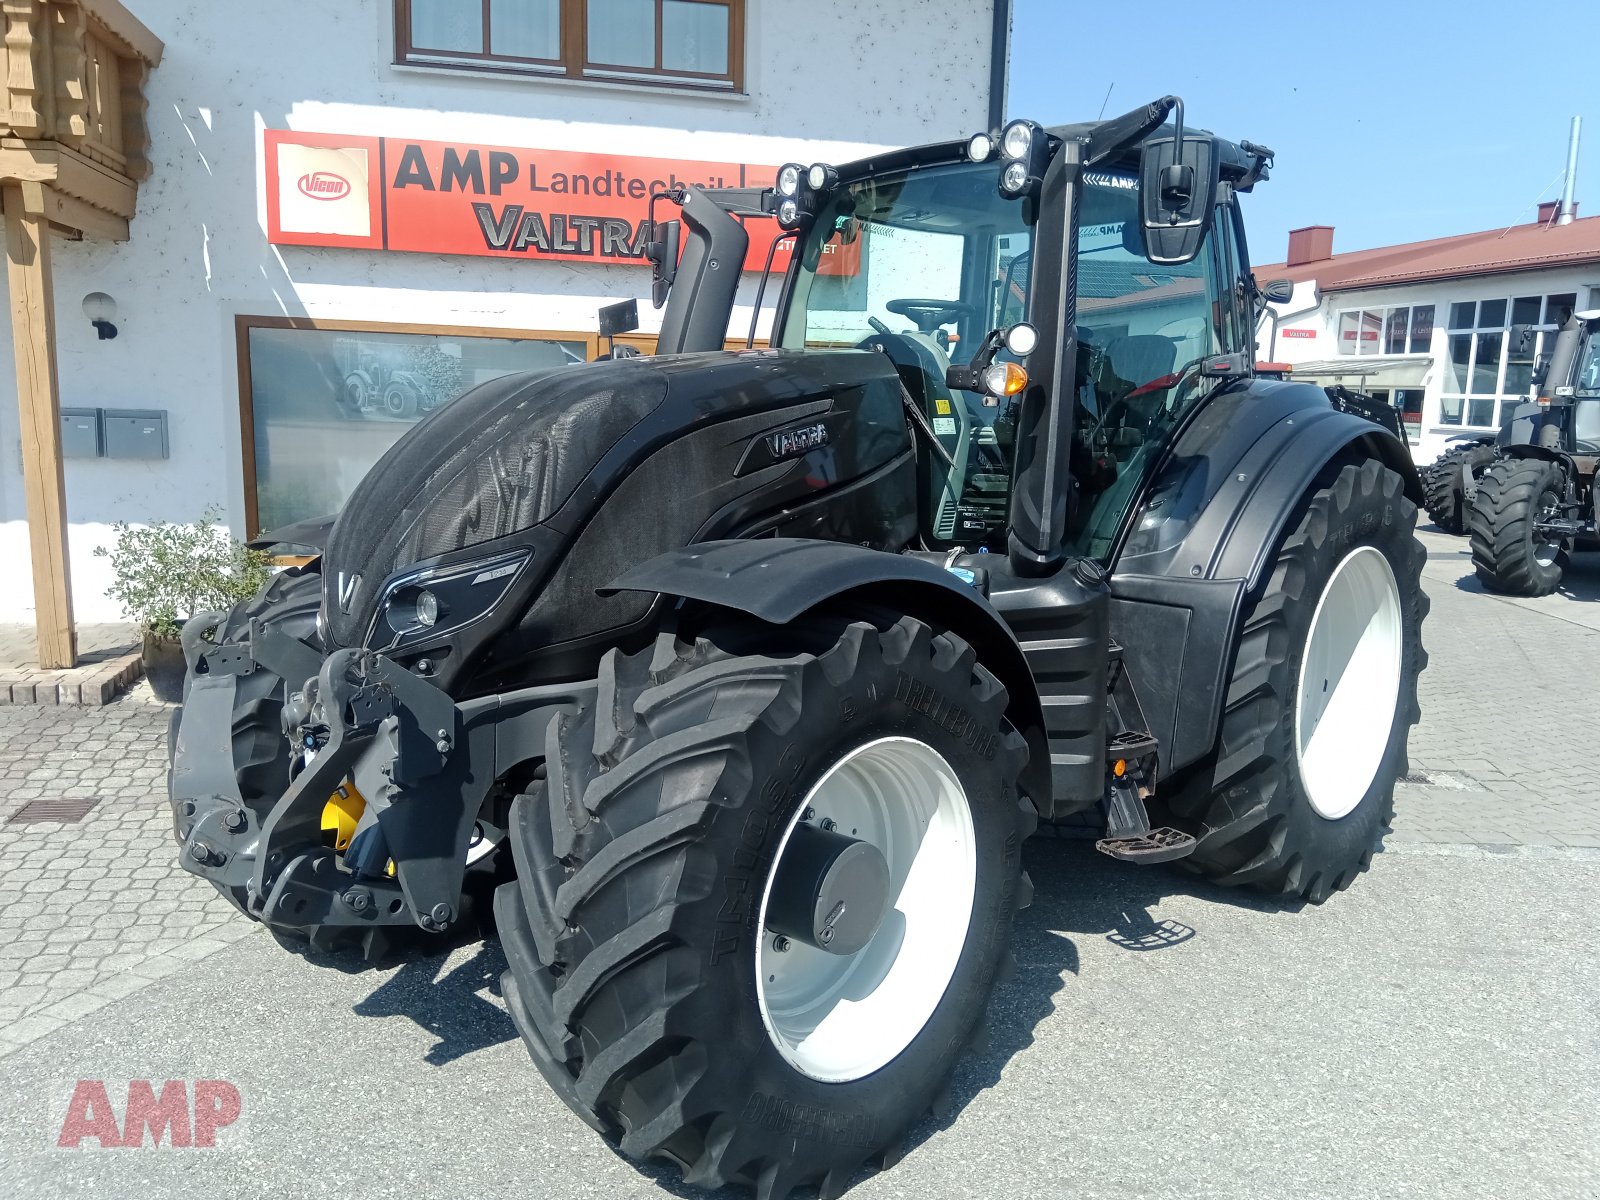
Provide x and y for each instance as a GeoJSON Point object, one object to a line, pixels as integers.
{"type": "Point", "coordinates": [94, 223]}
{"type": "Point", "coordinates": [33, 335]}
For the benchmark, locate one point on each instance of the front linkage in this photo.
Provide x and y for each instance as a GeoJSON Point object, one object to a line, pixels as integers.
{"type": "Point", "coordinates": [422, 764]}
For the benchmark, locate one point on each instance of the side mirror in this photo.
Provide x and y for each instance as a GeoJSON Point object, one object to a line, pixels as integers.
{"type": "Point", "coordinates": [662, 251]}
{"type": "Point", "coordinates": [621, 317]}
{"type": "Point", "coordinates": [1177, 196]}
{"type": "Point", "coordinates": [1279, 291]}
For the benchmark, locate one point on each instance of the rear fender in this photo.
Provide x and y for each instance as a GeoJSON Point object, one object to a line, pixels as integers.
{"type": "Point", "coordinates": [1560, 458]}
{"type": "Point", "coordinates": [779, 579]}
{"type": "Point", "coordinates": [1203, 544]}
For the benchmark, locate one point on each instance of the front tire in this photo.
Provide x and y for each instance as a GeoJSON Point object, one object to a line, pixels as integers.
{"type": "Point", "coordinates": [1300, 789]}
{"type": "Point", "coordinates": [1442, 493]}
{"type": "Point", "coordinates": [1507, 554]}
{"type": "Point", "coordinates": [644, 976]}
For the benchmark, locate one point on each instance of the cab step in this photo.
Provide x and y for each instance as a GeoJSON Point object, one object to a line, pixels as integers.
{"type": "Point", "coordinates": [1157, 846]}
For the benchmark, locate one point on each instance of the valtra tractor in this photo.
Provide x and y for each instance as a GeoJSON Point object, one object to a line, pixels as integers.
{"type": "Point", "coordinates": [735, 681]}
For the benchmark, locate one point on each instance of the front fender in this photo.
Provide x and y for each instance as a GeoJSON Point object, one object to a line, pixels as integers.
{"type": "Point", "coordinates": [778, 579]}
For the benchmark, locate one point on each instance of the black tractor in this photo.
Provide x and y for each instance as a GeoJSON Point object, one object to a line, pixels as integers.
{"type": "Point", "coordinates": [734, 681]}
{"type": "Point", "coordinates": [1534, 503]}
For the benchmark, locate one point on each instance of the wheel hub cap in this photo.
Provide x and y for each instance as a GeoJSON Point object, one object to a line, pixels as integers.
{"type": "Point", "coordinates": [865, 911]}
{"type": "Point", "coordinates": [830, 891]}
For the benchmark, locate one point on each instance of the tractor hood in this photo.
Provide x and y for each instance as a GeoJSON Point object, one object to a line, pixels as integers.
{"type": "Point", "coordinates": [508, 456]}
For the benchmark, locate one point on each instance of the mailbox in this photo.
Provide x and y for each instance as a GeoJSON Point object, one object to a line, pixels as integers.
{"type": "Point", "coordinates": [135, 433]}
{"type": "Point", "coordinates": [80, 433]}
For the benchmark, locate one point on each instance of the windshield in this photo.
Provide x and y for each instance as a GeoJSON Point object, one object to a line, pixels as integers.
{"type": "Point", "coordinates": [1587, 380]}
{"type": "Point", "coordinates": [921, 264]}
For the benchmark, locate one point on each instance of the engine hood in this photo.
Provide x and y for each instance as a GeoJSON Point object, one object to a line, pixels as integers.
{"type": "Point", "coordinates": [510, 455]}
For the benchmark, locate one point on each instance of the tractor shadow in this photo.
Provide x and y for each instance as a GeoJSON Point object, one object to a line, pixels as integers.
{"type": "Point", "coordinates": [454, 1006]}
{"type": "Point", "coordinates": [1580, 578]}
{"type": "Point", "coordinates": [452, 1002]}
{"type": "Point", "coordinates": [1079, 894]}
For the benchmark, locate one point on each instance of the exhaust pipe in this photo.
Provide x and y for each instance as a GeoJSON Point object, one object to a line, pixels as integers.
{"type": "Point", "coordinates": [1568, 210]}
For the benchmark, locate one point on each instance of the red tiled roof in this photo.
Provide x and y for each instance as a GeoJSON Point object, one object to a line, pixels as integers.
{"type": "Point", "coordinates": [1492, 252]}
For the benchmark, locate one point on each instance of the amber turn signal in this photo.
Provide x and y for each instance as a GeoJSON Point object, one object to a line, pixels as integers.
{"type": "Point", "coordinates": [1005, 379]}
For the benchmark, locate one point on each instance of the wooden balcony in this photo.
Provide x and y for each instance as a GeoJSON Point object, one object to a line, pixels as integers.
{"type": "Point", "coordinates": [73, 148]}
{"type": "Point", "coordinates": [73, 110]}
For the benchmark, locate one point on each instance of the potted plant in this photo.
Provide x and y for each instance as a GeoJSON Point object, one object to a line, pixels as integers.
{"type": "Point", "coordinates": [165, 573]}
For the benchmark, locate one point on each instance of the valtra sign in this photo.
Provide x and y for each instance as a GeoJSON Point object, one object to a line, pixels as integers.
{"type": "Point", "coordinates": [380, 193]}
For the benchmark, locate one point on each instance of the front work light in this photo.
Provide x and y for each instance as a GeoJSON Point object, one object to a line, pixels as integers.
{"type": "Point", "coordinates": [1021, 339]}
{"type": "Point", "coordinates": [1015, 177]}
{"type": "Point", "coordinates": [789, 213]}
{"type": "Point", "coordinates": [979, 147]}
{"type": "Point", "coordinates": [821, 177]}
{"type": "Point", "coordinates": [789, 176]}
{"type": "Point", "coordinates": [1017, 139]}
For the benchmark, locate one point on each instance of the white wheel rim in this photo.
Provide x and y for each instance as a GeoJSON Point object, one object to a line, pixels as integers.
{"type": "Point", "coordinates": [841, 1017]}
{"type": "Point", "coordinates": [1349, 683]}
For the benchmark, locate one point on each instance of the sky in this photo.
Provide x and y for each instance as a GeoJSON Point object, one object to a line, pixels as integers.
{"type": "Point", "coordinates": [1392, 122]}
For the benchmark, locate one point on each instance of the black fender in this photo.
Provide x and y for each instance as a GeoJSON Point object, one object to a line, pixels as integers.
{"type": "Point", "coordinates": [1204, 538]}
{"type": "Point", "coordinates": [778, 579]}
{"type": "Point", "coordinates": [1560, 457]}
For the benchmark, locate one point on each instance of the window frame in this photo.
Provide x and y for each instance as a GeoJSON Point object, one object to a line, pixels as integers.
{"type": "Point", "coordinates": [573, 63]}
{"type": "Point", "coordinates": [1385, 315]}
{"type": "Point", "coordinates": [243, 323]}
{"type": "Point", "coordinates": [1502, 399]}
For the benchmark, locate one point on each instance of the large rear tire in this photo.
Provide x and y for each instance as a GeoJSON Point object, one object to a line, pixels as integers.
{"type": "Point", "coordinates": [1300, 789]}
{"type": "Point", "coordinates": [1507, 554]}
{"type": "Point", "coordinates": [645, 975]}
{"type": "Point", "coordinates": [1442, 494]}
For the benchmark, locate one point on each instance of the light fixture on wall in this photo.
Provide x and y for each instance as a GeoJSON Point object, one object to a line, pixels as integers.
{"type": "Point", "coordinates": [101, 310]}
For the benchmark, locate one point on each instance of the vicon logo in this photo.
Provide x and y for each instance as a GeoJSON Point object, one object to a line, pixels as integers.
{"type": "Point", "coordinates": [324, 185]}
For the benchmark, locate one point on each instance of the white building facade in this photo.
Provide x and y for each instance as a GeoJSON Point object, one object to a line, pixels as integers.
{"type": "Point", "coordinates": [1435, 346]}
{"type": "Point", "coordinates": [327, 247]}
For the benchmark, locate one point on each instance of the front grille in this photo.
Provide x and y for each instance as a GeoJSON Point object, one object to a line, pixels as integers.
{"type": "Point", "coordinates": [501, 459]}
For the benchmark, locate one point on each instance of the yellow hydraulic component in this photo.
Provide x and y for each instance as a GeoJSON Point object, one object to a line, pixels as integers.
{"type": "Point", "coordinates": [340, 814]}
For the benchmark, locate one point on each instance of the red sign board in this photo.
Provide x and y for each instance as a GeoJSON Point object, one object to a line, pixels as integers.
{"type": "Point", "coordinates": [1298, 333]}
{"type": "Point", "coordinates": [383, 193]}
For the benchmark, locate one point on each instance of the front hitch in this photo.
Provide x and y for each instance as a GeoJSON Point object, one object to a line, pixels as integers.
{"type": "Point", "coordinates": [401, 740]}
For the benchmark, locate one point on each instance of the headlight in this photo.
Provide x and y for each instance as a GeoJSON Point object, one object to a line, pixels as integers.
{"type": "Point", "coordinates": [1017, 139]}
{"type": "Point", "coordinates": [789, 179]}
{"type": "Point", "coordinates": [979, 147]}
{"type": "Point", "coordinates": [788, 214]}
{"type": "Point", "coordinates": [423, 604]}
{"type": "Point", "coordinates": [1015, 177]}
{"type": "Point", "coordinates": [427, 608]}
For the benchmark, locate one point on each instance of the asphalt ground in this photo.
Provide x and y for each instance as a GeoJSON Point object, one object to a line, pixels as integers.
{"type": "Point", "coordinates": [1433, 1032]}
{"type": "Point", "coordinates": [1430, 1033]}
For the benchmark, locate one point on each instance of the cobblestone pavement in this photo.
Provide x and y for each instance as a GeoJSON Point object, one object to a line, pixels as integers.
{"type": "Point", "coordinates": [68, 948]}
{"type": "Point", "coordinates": [1489, 767]}
{"type": "Point", "coordinates": [1508, 751]}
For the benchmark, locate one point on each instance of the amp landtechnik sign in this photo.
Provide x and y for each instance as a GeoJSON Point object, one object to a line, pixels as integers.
{"type": "Point", "coordinates": [379, 193]}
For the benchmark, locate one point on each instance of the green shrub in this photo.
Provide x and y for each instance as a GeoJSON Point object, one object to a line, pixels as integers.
{"type": "Point", "coordinates": [163, 574]}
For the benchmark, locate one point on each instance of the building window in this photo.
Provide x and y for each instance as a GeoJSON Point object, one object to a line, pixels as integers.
{"type": "Point", "coordinates": [677, 43]}
{"type": "Point", "coordinates": [1484, 373]}
{"type": "Point", "coordinates": [1404, 329]}
{"type": "Point", "coordinates": [320, 401]}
